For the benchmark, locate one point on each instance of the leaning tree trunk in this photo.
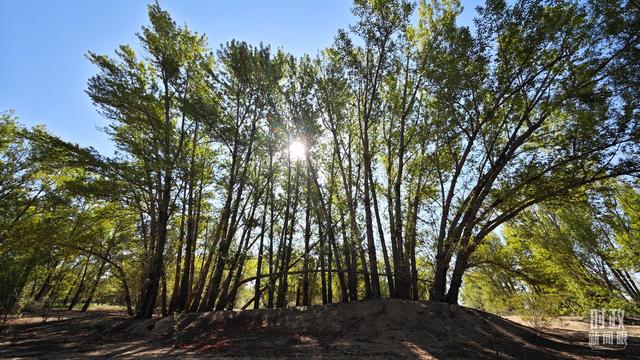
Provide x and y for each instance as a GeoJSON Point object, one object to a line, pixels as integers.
{"type": "Point", "coordinates": [75, 282]}
{"type": "Point", "coordinates": [94, 286]}
{"type": "Point", "coordinates": [323, 213]}
{"type": "Point", "coordinates": [182, 300]}
{"type": "Point", "coordinates": [150, 292]}
{"type": "Point", "coordinates": [176, 279]}
{"type": "Point", "coordinates": [80, 289]}
{"type": "Point", "coordinates": [383, 245]}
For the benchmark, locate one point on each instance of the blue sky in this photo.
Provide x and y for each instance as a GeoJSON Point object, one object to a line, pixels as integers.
{"type": "Point", "coordinates": [43, 70]}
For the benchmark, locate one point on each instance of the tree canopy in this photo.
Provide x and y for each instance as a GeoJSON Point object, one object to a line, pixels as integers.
{"type": "Point", "coordinates": [414, 158]}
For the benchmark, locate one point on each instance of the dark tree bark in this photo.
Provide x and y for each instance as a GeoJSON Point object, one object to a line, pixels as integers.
{"type": "Point", "coordinates": [307, 236]}
{"type": "Point", "coordinates": [329, 228]}
{"type": "Point", "coordinates": [373, 284]}
{"type": "Point", "coordinates": [271, 285]}
{"type": "Point", "coordinates": [281, 300]}
{"type": "Point", "coordinates": [225, 243]}
{"type": "Point", "coordinates": [383, 245]}
{"type": "Point", "coordinates": [46, 285]}
{"type": "Point", "coordinates": [256, 291]}
{"type": "Point", "coordinates": [78, 278]}
{"type": "Point", "coordinates": [182, 300]}
{"type": "Point", "coordinates": [80, 288]}
{"type": "Point", "coordinates": [94, 286]}
{"type": "Point", "coordinates": [176, 280]}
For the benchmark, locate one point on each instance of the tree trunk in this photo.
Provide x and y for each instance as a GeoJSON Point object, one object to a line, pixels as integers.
{"type": "Point", "coordinates": [75, 282]}
{"type": "Point", "coordinates": [185, 283]}
{"type": "Point", "coordinates": [256, 291]}
{"type": "Point", "coordinates": [94, 286]}
{"type": "Point", "coordinates": [456, 277]}
{"type": "Point", "coordinates": [150, 292]}
{"type": "Point", "coordinates": [307, 237]}
{"type": "Point", "coordinates": [349, 261]}
{"type": "Point", "coordinates": [402, 279]}
{"type": "Point", "coordinates": [46, 285]}
{"type": "Point", "coordinates": [281, 300]}
{"type": "Point", "coordinates": [368, 293]}
{"type": "Point", "coordinates": [439, 285]}
{"type": "Point", "coordinates": [271, 286]}
{"type": "Point", "coordinates": [383, 245]}
{"type": "Point", "coordinates": [231, 230]}
{"type": "Point", "coordinates": [371, 247]}
{"type": "Point", "coordinates": [323, 212]}
{"type": "Point", "coordinates": [412, 236]}
{"type": "Point", "coordinates": [80, 289]}
{"type": "Point", "coordinates": [176, 280]}
{"type": "Point", "coordinates": [323, 278]}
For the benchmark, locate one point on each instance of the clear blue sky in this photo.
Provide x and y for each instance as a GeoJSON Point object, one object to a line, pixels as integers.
{"type": "Point", "coordinates": [43, 71]}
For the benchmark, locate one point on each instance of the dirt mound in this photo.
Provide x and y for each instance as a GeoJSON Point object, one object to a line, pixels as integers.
{"type": "Point", "coordinates": [376, 329]}
{"type": "Point", "coordinates": [383, 328]}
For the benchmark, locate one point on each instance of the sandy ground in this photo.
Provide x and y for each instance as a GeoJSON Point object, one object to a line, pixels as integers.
{"type": "Point", "coordinates": [575, 324]}
{"type": "Point", "coordinates": [376, 329]}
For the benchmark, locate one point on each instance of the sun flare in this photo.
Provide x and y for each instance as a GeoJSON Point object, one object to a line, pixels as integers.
{"type": "Point", "coordinates": [297, 151]}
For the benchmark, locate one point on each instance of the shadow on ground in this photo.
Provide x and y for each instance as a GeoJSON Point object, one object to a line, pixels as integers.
{"type": "Point", "coordinates": [376, 329]}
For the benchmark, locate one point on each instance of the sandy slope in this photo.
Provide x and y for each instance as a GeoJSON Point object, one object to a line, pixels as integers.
{"type": "Point", "coordinates": [376, 329]}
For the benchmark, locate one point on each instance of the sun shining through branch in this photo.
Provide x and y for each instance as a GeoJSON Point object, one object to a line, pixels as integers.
{"type": "Point", "coordinates": [297, 151]}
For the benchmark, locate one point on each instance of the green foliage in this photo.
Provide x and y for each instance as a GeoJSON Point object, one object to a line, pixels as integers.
{"type": "Point", "coordinates": [482, 153]}
{"type": "Point", "coordinates": [539, 310]}
{"type": "Point", "coordinates": [28, 221]}
{"type": "Point", "coordinates": [572, 253]}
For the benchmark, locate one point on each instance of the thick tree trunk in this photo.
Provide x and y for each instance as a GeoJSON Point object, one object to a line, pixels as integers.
{"type": "Point", "coordinates": [439, 285]}
{"type": "Point", "coordinates": [150, 292]}
{"type": "Point", "coordinates": [456, 277]}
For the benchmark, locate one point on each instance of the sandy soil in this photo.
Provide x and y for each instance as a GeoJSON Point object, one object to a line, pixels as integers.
{"type": "Point", "coordinates": [377, 329]}
{"type": "Point", "coordinates": [576, 324]}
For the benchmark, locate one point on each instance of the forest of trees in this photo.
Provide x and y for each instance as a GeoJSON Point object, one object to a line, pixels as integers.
{"type": "Point", "coordinates": [414, 158]}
